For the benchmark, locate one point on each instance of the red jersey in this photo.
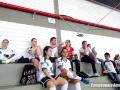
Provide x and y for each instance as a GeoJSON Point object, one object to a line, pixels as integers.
{"type": "Point", "coordinates": [69, 52]}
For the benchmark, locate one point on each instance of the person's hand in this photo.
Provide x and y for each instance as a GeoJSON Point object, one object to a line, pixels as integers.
{"type": "Point", "coordinates": [95, 59]}
{"type": "Point", "coordinates": [74, 74]}
{"type": "Point", "coordinates": [56, 55]}
{"type": "Point", "coordinates": [68, 79]}
{"type": "Point", "coordinates": [85, 46]}
{"type": "Point", "coordinates": [9, 57]}
{"type": "Point", "coordinates": [54, 81]}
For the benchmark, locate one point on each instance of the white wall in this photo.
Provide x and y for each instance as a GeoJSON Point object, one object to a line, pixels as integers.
{"type": "Point", "coordinates": [89, 11]}
{"type": "Point", "coordinates": [43, 5]}
{"type": "Point", "coordinates": [20, 35]}
{"type": "Point", "coordinates": [103, 44]}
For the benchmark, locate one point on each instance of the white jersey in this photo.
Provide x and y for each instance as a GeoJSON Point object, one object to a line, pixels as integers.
{"type": "Point", "coordinates": [110, 66]}
{"type": "Point", "coordinates": [30, 56]}
{"type": "Point", "coordinates": [6, 51]}
{"type": "Point", "coordinates": [61, 63]}
{"type": "Point", "coordinates": [45, 64]}
{"type": "Point", "coordinates": [54, 52]}
{"type": "Point", "coordinates": [82, 50]}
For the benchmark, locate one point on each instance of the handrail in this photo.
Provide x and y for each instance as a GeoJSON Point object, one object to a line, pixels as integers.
{"type": "Point", "coordinates": [20, 8]}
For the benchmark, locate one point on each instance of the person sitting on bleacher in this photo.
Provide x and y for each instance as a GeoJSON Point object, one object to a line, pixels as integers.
{"type": "Point", "coordinates": [84, 55]}
{"type": "Point", "coordinates": [111, 70]}
{"type": "Point", "coordinates": [7, 55]}
{"type": "Point", "coordinates": [54, 46]}
{"type": "Point", "coordinates": [63, 68]}
{"type": "Point", "coordinates": [47, 78]}
{"type": "Point", "coordinates": [117, 62]}
{"type": "Point", "coordinates": [100, 61]}
{"type": "Point", "coordinates": [69, 48]}
{"type": "Point", "coordinates": [70, 51]}
{"type": "Point", "coordinates": [35, 54]}
{"type": "Point", "coordinates": [77, 64]}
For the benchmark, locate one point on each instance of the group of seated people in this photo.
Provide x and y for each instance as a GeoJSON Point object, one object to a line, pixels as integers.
{"type": "Point", "coordinates": [64, 73]}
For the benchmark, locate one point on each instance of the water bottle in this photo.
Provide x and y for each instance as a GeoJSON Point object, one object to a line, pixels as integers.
{"type": "Point", "coordinates": [91, 72]}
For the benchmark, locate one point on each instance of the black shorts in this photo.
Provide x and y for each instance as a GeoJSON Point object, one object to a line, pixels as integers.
{"type": "Point", "coordinates": [44, 80]}
{"type": "Point", "coordinates": [35, 58]}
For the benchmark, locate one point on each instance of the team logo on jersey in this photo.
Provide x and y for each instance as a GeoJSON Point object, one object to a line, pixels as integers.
{"type": "Point", "coordinates": [42, 63]}
{"type": "Point", "coordinates": [58, 61]}
{"type": "Point", "coordinates": [0, 52]}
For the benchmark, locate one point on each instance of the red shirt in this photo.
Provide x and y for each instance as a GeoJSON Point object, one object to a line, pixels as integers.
{"type": "Point", "coordinates": [69, 52]}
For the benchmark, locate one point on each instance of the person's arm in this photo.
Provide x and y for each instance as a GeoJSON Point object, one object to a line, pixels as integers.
{"type": "Point", "coordinates": [59, 65]}
{"type": "Point", "coordinates": [39, 48]}
{"type": "Point", "coordinates": [105, 65]}
{"type": "Point", "coordinates": [84, 51]}
{"type": "Point", "coordinates": [118, 64]}
{"type": "Point", "coordinates": [113, 64]}
{"type": "Point", "coordinates": [32, 51]}
{"type": "Point", "coordinates": [54, 46]}
{"type": "Point", "coordinates": [93, 55]}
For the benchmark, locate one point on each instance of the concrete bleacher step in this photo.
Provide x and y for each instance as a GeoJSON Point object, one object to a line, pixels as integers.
{"type": "Point", "coordinates": [10, 75]}
{"type": "Point", "coordinates": [97, 80]}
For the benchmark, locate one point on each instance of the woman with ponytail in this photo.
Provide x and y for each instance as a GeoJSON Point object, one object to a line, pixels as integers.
{"type": "Point", "coordinates": [47, 78]}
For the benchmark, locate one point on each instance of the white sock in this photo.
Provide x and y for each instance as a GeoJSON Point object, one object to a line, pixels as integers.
{"type": "Point", "coordinates": [65, 87]}
{"type": "Point", "coordinates": [52, 88]}
{"type": "Point", "coordinates": [37, 75]}
{"type": "Point", "coordinates": [70, 75]}
{"type": "Point", "coordinates": [77, 86]}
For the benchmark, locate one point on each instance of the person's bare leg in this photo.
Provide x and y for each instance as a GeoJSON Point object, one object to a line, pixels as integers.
{"type": "Point", "coordinates": [38, 52]}
{"type": "Point", "coordinates": [35, 63]}
{"type": "Point", "coordinates": [63, 82]}
{"type": "Point", "coordinates": [51, 85]}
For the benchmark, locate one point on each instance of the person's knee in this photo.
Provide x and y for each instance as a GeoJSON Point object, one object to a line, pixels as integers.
{"type": "Point", "coordinates": [65, 81]}
{"type": "Point", "coordinates": [64, 73]}
{"type": "Point", "coordinates": [75, 81]}
{"type": "Point", "coordinates": [50, 84]}
{"type": "Point", "coordinates": [34, 60]}
{"type": "Point", "coordinates": [19, 55]}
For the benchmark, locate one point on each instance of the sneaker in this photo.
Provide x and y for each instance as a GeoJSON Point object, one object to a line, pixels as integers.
{"type": "Point", "coordinates": [85, 81]}
{"type": "Point", "coordinates": [105, 71]}
{"type": "Point", "coordinates": [96, 74]}
{"type": "Point", "coordinates": [4, 62]}
{"type": "Point", "coordinates": [97, 62]}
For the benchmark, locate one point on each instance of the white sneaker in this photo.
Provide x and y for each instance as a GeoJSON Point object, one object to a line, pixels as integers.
{"type": "Point", "coordinates": [105, 71]}
{"type": "Point", "coordinates": [96, 74]}
{"type": "Point", "coordinates": [97, 62]}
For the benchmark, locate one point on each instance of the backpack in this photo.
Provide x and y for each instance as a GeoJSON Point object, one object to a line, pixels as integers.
{"type": "Point", "coordinates": [83, 75]}
{"type": "Point", "coordinates": [28, 75]}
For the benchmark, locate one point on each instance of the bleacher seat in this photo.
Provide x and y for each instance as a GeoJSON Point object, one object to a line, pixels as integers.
{"type": "Point", "coordinates": [10, 75]}
{"type": "Point", "coordinates": [86, 67]}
